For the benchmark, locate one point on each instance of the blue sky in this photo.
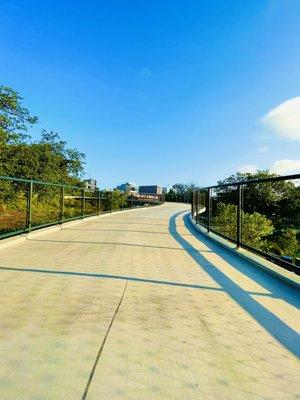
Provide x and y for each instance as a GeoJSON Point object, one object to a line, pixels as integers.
{"type": "Point", "coordinates": [160, 91]}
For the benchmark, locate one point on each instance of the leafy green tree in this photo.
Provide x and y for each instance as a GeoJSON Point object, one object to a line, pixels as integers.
{"type": "Point", "coordinates": [69, 160]}
{"type": "Point", "coordinates": [181, 192]}
{"type": "Point", "coordinates": [282, 243]}
{"type": "Point", "coordinates": [14, 118]}
{"type": "Point", "coordinates": [257, 231]}
{"type": "Point", "coordinates": [255, 227]}
{"type": "Point", "coordinates": [278, 201]}
{"type": "Point", "coordinates": [48, 159]}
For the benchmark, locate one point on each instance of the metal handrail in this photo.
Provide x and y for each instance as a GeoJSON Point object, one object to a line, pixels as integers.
{"type": "Point", "coordinates": [238, 240]}
{"type": "Point", "coordinates": [253, 181]}
{"type": "Point", "coordinates": [10, 178]}
{"type": "Point", "coordinates": [97, 197]}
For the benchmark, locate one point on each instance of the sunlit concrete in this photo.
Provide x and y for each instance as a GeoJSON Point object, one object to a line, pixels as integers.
{"type": "Point", "coordinates": [194, 322]}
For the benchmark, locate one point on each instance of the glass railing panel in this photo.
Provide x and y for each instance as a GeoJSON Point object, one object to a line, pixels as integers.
{"type": "Point", "coordinates": [13, 201]}
{"type": "Point", "coordinates": [201, 207]}
{"type": "Point", "coordinates": [72, 203]}
{"type": "Point", "coordinates": [224, 211]}
{"type": "Point", "coordinates": [271, 218]}
{"type": "Point", "coordinates": [91, 202]}
{"type": "Point", "coordinates": [45, 204]}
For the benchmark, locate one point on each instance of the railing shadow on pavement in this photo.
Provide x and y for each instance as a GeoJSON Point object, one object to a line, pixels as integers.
{"type": "Point", "coordinates": [81, 242]}
{"type": "Point", "coordinates": [121, 230]}
{"type": "Point", "coordinates": [114, 277]}
{"type": "Point", "coordinates": [287, 336]}
{"type": "Point", "coordinates": [27, 205]}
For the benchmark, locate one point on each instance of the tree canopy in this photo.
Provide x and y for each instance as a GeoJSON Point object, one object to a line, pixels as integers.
{"type": "Point", "coordinates": [278, 201]}
{"type": "Point", "coordinates": [48, 159]}
{"type": "Point", "coordinates": [14, 118]}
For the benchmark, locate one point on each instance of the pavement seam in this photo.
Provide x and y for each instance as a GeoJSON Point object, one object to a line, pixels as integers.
{"type": "Point", "coordinates": [89, 381]}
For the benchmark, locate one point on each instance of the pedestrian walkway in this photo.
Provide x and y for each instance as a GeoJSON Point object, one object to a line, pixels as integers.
{"type": "Point", "coordinates": [138, 305]}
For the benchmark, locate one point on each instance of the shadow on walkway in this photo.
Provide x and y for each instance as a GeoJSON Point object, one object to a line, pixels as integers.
{"type": "Point", "coordinates": [275, 326]}
{"type": "Point", "coordinates": [107, 276]}
{"type": "Point", "coordinates": [124, 223]}
{"type": "Point", "coordinates": [112, 243]}
{"type": "Point", "coordinates": [121, 230]}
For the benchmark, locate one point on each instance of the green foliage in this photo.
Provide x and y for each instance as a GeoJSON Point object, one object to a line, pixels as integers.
{"type": "Point", "coordinates": [255, 226]}
{"type": "Point", "coordinates": [181, 192]}
{"type": "Point", "coordinates": [282, 243]}
{"type": "Point", "coordinates": [119, 199]}
{"type": "Point", "coordinates": [225, 220]}
{"type": "Point", "coordinates": [14, 118]}
{"type": "Point", "coordinates": [279, 201]}
{"type": "Point", "coordinates": [115, 200]}
{"type": "Point", "coordinates": [69, 160]}
{"type": "Point", "coordinates": [48, 160]}
{"type": "Point", "coordinates": [257, 231]}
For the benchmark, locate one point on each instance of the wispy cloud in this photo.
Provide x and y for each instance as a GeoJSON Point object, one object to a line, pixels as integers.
{"type": "Point", "coordinates": [263, 149]}
{"type": "Point", "coordinates": [282, 167]}
{"type": "Point", "coordinates": [247, 168]}
{"type": "Point", "coordinates": [284, 119]}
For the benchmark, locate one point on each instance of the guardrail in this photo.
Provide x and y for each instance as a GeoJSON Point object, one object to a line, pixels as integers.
{"type": "Point", "coordinates": [260, 215]}
{"type": "Point", "coordinates": [26, 205]}
{"type": "Point", "coordinates": [178, 198]}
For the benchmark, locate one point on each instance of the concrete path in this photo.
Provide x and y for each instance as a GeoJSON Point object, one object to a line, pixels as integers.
{"type": "Point", "coordinates": [137, 305]}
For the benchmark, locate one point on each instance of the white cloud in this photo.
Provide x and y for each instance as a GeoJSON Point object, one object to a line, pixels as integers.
{"type": "Point", "coordinates": [284, 167]}
{"type": "Point", "coordinates": [263, 149]}
{"type": "Point", "coordinates": [247, 168]}
{"type": "Point", "coordinates": [284, 119]}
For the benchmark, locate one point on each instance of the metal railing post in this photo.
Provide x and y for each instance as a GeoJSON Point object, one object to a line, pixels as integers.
{"type": "Point", "coordinates": [62, 204]}
{"type": "Point", "coordinates": [239, 217]}
{"type": "Point", "coordinates": [83, 203]}
{"type": "Point", "coordinates": [192, 205]}
{"type": "Point", "coordinates": [197, 205]}
{"type": "Point", "coordinates": [99, 201]}
{"type": "Point", "coordinates": [209, 211]}
{"type": "Point", "coordinates": [29, 207]}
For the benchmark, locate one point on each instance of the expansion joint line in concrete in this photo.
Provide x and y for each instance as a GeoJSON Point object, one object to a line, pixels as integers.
{"type": "Point", "coordinates": [87, 386]}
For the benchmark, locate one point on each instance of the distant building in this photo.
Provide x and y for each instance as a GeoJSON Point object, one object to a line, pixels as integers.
{"type": "Point", "coordinates": [90, 184]}
{"type": "Point", "coordinates": [127, 187]}
{"type": "Point", "coordinates": [151, 189]}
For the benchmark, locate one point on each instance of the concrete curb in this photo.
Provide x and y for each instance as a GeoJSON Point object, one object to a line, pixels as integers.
{"type": "Point", "coordinates": [284, 275]}
{"type": "Point", "coordinates": [4, 243]}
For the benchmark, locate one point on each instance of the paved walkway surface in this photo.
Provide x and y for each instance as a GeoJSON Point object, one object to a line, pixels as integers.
{"type": "Point", "coordinates": [137, 305]}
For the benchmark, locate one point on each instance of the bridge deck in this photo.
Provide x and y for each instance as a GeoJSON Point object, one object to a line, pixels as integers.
{"type": "Point", "coordinates": [139, 306]}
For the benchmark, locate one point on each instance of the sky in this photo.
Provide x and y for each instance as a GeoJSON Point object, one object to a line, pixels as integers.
{"type": "Point", "coordinates": [159, 92]}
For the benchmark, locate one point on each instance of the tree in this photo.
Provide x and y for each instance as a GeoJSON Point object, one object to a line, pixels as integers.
{"type": "Point", "coordinates": [70, 160]}
{"type": "Point", "coordinates": [181, 192]}
{"type": "Point", "coordinates": [282, 243]}
{"type": "Point", "coordinates": [48, 159]}
{"type": "Point", "coordinates": [278, 201]}
{"type": "Point", "coordinates": [254, 227]}
{"type": "Point", "coordinates": [257, 231]}
{"type": "Point", "coordinates": [14, 118]}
